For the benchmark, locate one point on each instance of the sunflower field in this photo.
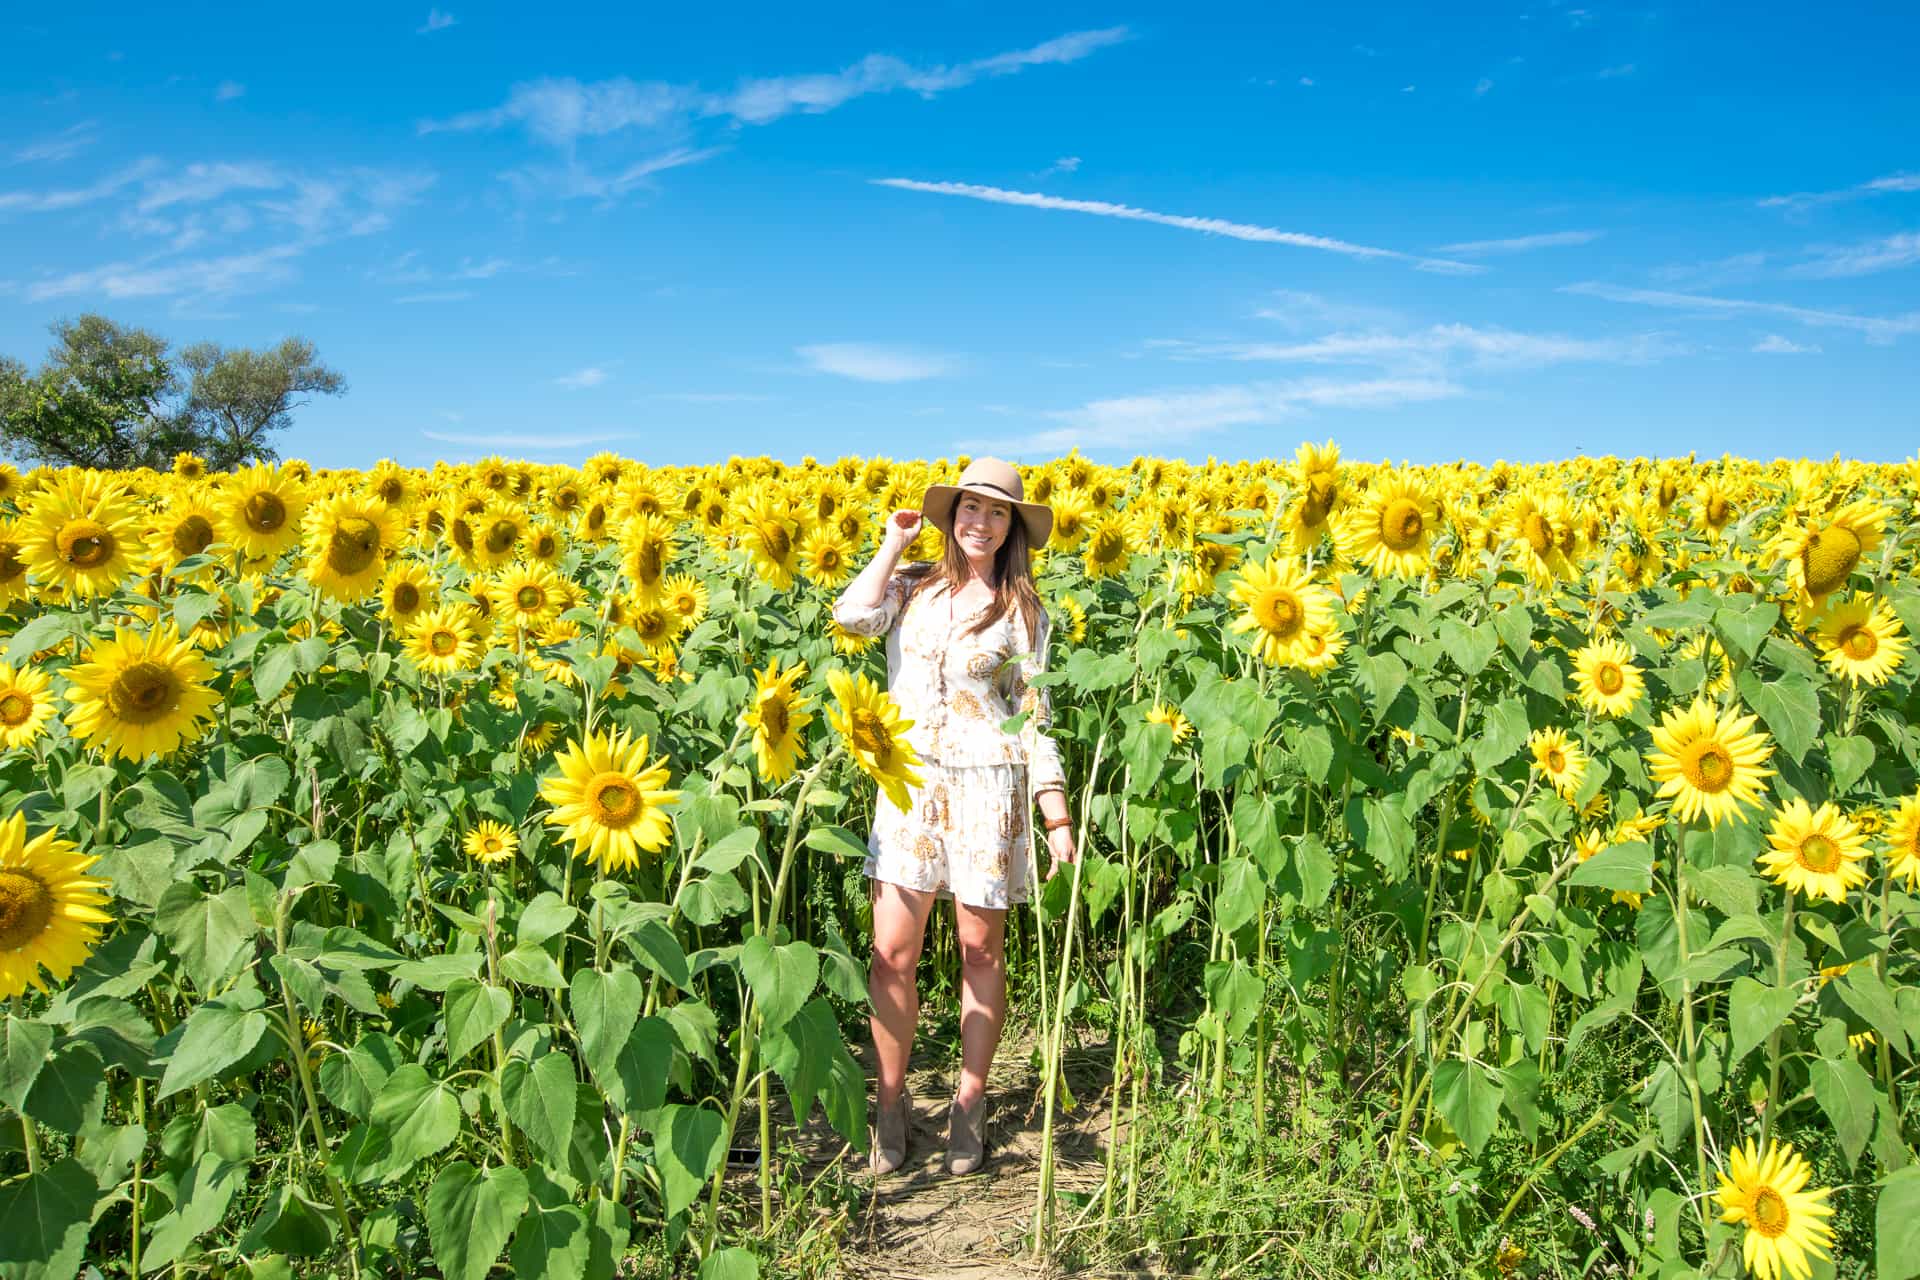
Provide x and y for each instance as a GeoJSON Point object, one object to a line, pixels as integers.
{"type": "Point", "coordinates": [1505, 870]}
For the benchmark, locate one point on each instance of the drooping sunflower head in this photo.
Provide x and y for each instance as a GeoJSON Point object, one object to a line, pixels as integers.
{"type": "Point", "coordinates": [137, 696]}
{"type": "Point", "coordinates": [777, 714]}
{"type": "Point", "coordinates": [1785, 1222]}
{"type": "Point", "coordinates": [50, 909]}
{"type": "Point", "coordinates": [13, 563]}
{"type": "Point", "coordinates": [1109, 546]}
{"type": "Point", "coordinates": [646, 547]}
{"type": "Point", "coordinates": [1171, 717]}
{"type": "Point", "coordinates": [1862, 639]}
{"type": "Point", "coordinates": [1709, 761]}
{"type": "Point", "coordinates": [610, 800]}
{"type": "Point", "coordinates": [1822, 550]}
{"type": "Point", "coordinates": [1815, 852]}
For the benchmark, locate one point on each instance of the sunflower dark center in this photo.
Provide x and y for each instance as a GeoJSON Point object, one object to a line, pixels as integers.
{"type": "Point", "coordinates": [86, 544]}
{"type": "Point", "coordinates": [1279, 614]}
{"type": "Point", "coordinates": [26, 908]}
{"type": "Point", "coordinates": [530, 598]}
{"type": "Point", "coordinates": [870, 734]}
{"type": "Point", "coordinates": [15, 707]}
{"type": "Point", "coordinates": [443, 643]}
{"type": "Point", "coordinates": [773, 716]}
{"type": "Point", "coordinates": [144, 692]}
{"type": "Point", "coordinates": [1401, 524]}
{"type": "Point", "coordinates": [354, 547]}
{"type": "Point", "coordinates": [406, 597]}
{"type": "Point", "coordinates": [1860, 643]}
{"type": "Point", "coordinates": [192, 536]}
{"type": "Point", "coordinates": [1769, 1214]}
{"type": "Point", "coordinates": [501, 535]}
{"type": "Point", "coordinates": [1537, 532]}
{"type": "Point", "coordinates": [613, 800]}
{"type": "Point", "coordinates": [1609, 679]}
{"type": "Point", "coordinates": [264, 512]}
{"type": "Point", "coordinates": [1710, 767]}
{"type": "Point", "coordinates": [1819, 854]}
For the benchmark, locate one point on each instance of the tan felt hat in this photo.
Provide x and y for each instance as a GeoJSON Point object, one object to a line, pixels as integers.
{"type": "Point", "coordinates": [990, 478]}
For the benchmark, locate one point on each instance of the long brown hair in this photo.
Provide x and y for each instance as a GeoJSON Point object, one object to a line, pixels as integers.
{"type": "Point", "coordinates": [1012, 570]}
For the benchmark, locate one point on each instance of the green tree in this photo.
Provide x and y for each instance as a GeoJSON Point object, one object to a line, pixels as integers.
{"type": "Point", "coordinates": [109, 396]}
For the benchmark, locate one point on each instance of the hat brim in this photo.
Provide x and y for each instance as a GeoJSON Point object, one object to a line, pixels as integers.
{"type": "Point", "coordinates": [936, 507]}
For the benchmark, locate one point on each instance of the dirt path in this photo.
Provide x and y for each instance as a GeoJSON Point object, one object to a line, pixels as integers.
{"type": "Point", "coordinates": [922, 1221]}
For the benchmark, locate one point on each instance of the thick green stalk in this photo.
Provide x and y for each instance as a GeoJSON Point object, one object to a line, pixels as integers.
{"type": "Point", "coordinates": [1687, 1040]}
{"type": "Point", "coordinates": [1773, 1039]}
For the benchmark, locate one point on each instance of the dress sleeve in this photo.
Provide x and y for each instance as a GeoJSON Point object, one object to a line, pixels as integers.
{"type": "Point", "coordinates": [1043, 756]}
{"type": "Point", "coordinates": [874, 620]}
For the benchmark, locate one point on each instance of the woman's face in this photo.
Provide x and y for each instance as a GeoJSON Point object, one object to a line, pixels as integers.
{"type": "Point", "coordinates": [980, 525]}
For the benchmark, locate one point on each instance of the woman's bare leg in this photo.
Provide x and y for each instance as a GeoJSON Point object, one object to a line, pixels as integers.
{"type": "Point", "coordinates": [899, 931]}
{"type": "Point", "coordinates": [983, 994]}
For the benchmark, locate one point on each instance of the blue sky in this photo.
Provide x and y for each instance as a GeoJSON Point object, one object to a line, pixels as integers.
{"type": "Point", "coordinates": [1507, 231]}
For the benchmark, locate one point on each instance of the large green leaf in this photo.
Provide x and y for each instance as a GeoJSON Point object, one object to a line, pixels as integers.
{"type": "Point", "coordinates": [810, 1057]}
{"type": "Point", "coordinates": [201, 1203]}
{"type": "Point", "coordinates": [470, 1215]}
{"type": "Point", "coordinates": [654, 946]}
{"type": "Point", "coordinates": [1845, 1092]}
{"type": "Point", "coordinates": [1788, 705]}
{"type": "Point", "coordinates": [1755, 1011]}
{"type": "Point", "coordinates": [416, 1116]}
{"type": "Point", "coordinates": [1234, 991]}
{"type": "Point", "coordinates": [23, 1052]}
{"type": "Point", "coordinates": [730, 1264]}
{"type": "Point", "coordinates": [688, 1147]}
{"type": "Point", "coordinates": [1240, 895]}
{"type": "Point", "coordinates": [1896, 1226]}
{"type": "Point", "coordinates": [552, 1243]}
{"type": "Point", "coordinates": [782, 978]}
{"type": "Point", "coordinates": [216, 1036]}
{"type": "Point", "coordinates": [207, 931]}
{"type": "Point", "coordinates": [604, 1007]}
{"type": "Point", "coordinates": [541, 1099]}
{"type": "Point", "coordinates": [1627, 867]}
{"type": "Point", "coordinates": [1468, 1095]}
{"type": "Point", "coordinates": [474, 1011]}
{"type": "Point", "coordinates": [44, 1219]}
{"type": "Point", "coordinates": [71, 1093]}
{"type": "Point", "coordinates": [353, 1079]}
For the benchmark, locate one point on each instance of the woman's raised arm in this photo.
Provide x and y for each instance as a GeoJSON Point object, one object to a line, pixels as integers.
{"type": "Point", "coordinates": [867, 607]}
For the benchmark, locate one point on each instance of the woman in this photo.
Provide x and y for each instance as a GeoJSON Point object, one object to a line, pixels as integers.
{"type": "Point", "coordinates": [966, 635]}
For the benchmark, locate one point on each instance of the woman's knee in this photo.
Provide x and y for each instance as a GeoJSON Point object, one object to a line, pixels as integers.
{"type": "Point", "coordinates": [982, 955]}
{"type": "Point", "coordinates": [896, 957]}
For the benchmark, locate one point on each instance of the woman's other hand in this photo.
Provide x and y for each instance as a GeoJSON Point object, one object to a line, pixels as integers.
{"type": "Point", "coordinates": [903, 526]}
{"type": "Point", "coordinates": [1060, 844]}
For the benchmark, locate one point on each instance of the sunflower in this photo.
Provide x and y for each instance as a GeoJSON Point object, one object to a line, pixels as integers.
{"type": "Point", "coordinates": [1713, 661]}
{"type": "Point", "coordinates": [1172, 718]}
{"type": "Point", "coordinates": [441, 641]}
{"type": "Point", "coordinates": [685, 595]}
{"type": "Point", "coordinates": [1075, 615]}
{"type": "Point", "coordinates": [1282, 605]}
{"type": "Point", "coordinates": [529, 595]}
{"type": "Point", "coordinates": [645, 549]}
{"type": "Point", "coordinates": [656, 625]}
{"type": "Point", "coordinates": [846, 643]}
{"type": "Point", "coordinates": [497, 534]}
{"type": "Point", "coordinates": [260, 510]}
{"type": "Point", "coordinates": [80, 535]}
{"type": "Point", "coordinates": [772, 540]}
{"type": "Point", "coordinates": [1319, 650]}
{"type": "Point", "coordinates": [1541, 535]}
{"type": "Point", "coordinates": [1903, 842]}
{"type": "Point", "coordinates": [544, 543]}
{"type": "Point", "coordinates": [557, 632]}
{"type": "Point", "coordinates": [869, 720]}
{"type": "Point", "coordinates": [1562, 762]}
{"type": "Point", "coordinates": [609, 800]}
{"type": "Point", "coordinates": [405, 591]}
{"type": "Point", "coordinates": [1862, 639]}
{"type": "Point", "coordinates": [1607, 679]}
{"type": "Point", "coordinates": [491, 842]}
{"type": "Point", "coordinates": [1783, 1219]}
{"type": "Point", "coordinates": [392, 484]}
{"type": "Point", "coordinates": [1709, 761]}
{"type": "Point", "coordinates": [1815, 852]}
{"type": "Point", "coordinates": [139, 696]}
{"type": "Point", "coordinates": [1713, 510]}
{"type": "Point", "coordinates": [13, 563]}
{"type": "Point", "coordinates": [1821, 552]}
{"type": "Point", "coordinates": [825, 557]}
{"type": "Point", "coordinates": [505, 691]}
{"type": "Point", "coordinates": [1390, 531]}
{"type": "Point", "coordinates": [187, 528]}
{"type": "Point", "coordinates": [1109, 546]}
{"type": "Point", "coordinates": [348, 541]}
{"type": "Point", "coordinates": [1071, 515]}
{"type": "Point", "coordinates": [665, 666]}
{"type": "Point", "coordinates": [25, 705]}
{"type": "Point", "coordinates": [778, 717]}
{"type": "Point", "coordinates": [50, 914]}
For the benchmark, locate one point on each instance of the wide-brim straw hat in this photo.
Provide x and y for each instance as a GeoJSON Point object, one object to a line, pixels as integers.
{"type": "Point", "coordinates": [990, 478]}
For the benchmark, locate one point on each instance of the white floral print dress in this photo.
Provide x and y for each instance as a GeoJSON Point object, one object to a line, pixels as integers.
{"type": "Point", "coordinates": [966, 835]}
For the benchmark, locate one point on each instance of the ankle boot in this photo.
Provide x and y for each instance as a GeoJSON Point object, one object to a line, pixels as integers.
{"type": "Point", "coordinates": [890, 1125]}
{"type": "Point", "coordinates": [967, 1136]}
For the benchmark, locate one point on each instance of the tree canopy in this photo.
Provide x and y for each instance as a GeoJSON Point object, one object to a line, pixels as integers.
{"type": "Point", "coordinates": [110, 396]}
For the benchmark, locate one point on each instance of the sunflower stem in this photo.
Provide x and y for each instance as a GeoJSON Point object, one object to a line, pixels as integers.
{"type": "Point", "coordinates": [1687, 1041]}
{"type": "Point", "coordinates": [30, 1142]}
{"type": "Point", "coordinates": [1773, 1038]}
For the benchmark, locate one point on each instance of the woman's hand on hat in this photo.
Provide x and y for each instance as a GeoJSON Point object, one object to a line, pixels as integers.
{"type": "Point", "coordinates": [903, 525]}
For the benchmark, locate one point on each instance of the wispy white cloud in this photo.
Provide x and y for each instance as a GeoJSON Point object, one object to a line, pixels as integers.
{"type": "Point", "coordinates": [1521, 244]}
{"type": "Point", "coordinates": [574, 181]}
{"type": "Point", "coordinates": [1438, 348]}
{"type": "Point", "coordinates": [1886, 254]}
{"type": "Point", "coordinates": [528, 441]}
{"type": "Point", "coordinates": [229, 90]}
{"type": "Point", "coordinates": [1065, 164]}
{"type": "Point", "coordinates": [1127, 422]}
{"type": "Point", "coordinates": [1306, 82]}
{"type": "Point", "coordinates": [1713, 273]}
{"type": "Point", "coordinates": [559, 111]}
{"type": "Point", "coordinates": [1208, 226]}
{"type": "Point", "coordinates": [873, 362]}
{"type": "Point", "coordinates": [1774, 344]}
{"type": "Point", "coordinates": [580, 379]}
{"type": "Point", "coordinates": [711, 397]}
{"type": "Point", "coordinates": [65, 145]}
{"type": "Point", "coordinates": [443, 295]}
{"type": "Point", "coordinates": [437, 20]}
{"type": "Point", "coordinates": [216, 276]}
{"type": "Point", "coordinates": [1483, 88]}
{"type": "Point", "coordinates": [1619, 72]}
{"type": "Point", "coordinates": [72, 198]}
{"type": "Point", "coordinates": [485, 270]}
{"type": "Point", "coordinates": [200, 183]}
{"type": "Point", "coordinates": [1890, 184]}
{"type": "Point", "coordinates": [1878, 329]}
{"type": "Point", "coordinates": [1297, 311]}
